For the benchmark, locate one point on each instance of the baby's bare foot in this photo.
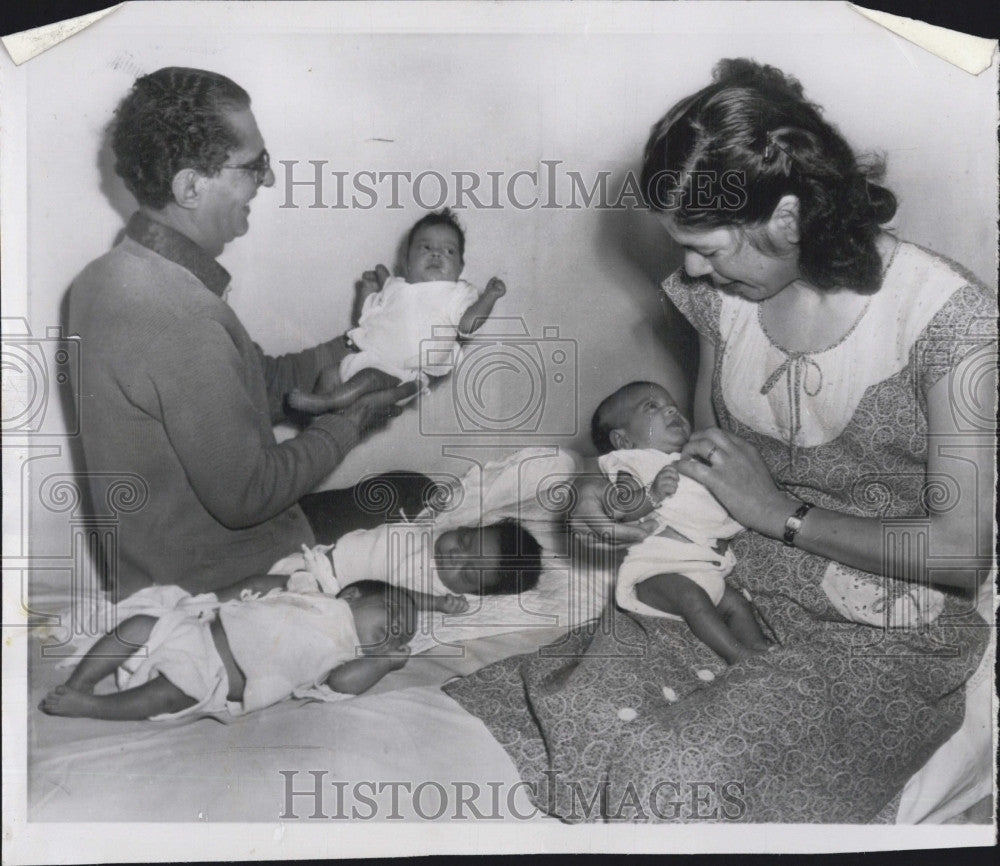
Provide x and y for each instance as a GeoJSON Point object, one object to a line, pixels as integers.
{"type": "Point", "coordinates": [451, 603]}
{"type": "Point", "coordinates": [64, 701]}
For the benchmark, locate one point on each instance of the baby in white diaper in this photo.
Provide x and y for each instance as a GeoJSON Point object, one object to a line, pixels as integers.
{"type": "Point", "coordinates": [224, 654]}
{"type": "Point", "coordinates": [679, 571]}
{"type": "Point", "coordinates": [438, 570]}
{"type": "Point", "coordinates": [409, 328]}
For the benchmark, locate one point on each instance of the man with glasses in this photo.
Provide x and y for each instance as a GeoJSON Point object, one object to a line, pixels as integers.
{"type": "Point", "coordinates": [174, 391]}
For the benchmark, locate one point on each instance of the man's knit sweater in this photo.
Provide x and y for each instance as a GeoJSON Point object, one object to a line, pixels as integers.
{"type": "Point", "coordinates": [177, 400]}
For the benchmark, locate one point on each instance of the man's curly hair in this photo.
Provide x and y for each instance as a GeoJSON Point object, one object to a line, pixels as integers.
{"type": "Point", "coordinates": [172, 119]}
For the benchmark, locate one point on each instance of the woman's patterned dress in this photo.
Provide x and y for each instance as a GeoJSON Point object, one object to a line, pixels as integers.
{"type": "Point", "coordinates": [633, 718]}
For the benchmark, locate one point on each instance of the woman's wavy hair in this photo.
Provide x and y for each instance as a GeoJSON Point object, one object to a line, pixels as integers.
{"type": "Point", "coordinates": [726, 155]}
{"type": "Point", "coordinates": [173, 119]}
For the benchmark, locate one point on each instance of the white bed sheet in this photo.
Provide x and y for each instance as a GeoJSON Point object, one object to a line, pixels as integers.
{"type": "Point", "coordinates": [405, 731]}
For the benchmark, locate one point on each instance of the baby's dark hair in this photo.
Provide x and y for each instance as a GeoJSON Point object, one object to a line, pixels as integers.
{"type": "Point", "coordinates": [443, 217]}
{"type": "Point", "coordinates": [604, 421]}
{"type": "Point", "coordinates": [521, 559]}
{"type": "Point", "coordinates": [399, 603]}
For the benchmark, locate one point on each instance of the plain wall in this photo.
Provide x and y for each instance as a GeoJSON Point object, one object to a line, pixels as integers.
{"type": "Point", "coordinates": [480, 102]}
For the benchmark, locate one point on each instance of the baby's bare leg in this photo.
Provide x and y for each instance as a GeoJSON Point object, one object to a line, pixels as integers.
{"type": "Point", "coordinates": [736, 610]}
{"type": "Point", "coordinates": [340, 396]}
{"type": "Point", "coordinates": [681, 596]}
{"type": "Point", "coordinates": [157, 696]}
{"type": "Point", "coordinates": [76, 697]}
{"type": "Point", "coordinates": [359, 675]}
{"type": "Point", "coordinates": [107, 655]}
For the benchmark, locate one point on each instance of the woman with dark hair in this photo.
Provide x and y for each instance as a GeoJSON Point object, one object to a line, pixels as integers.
{"type": "Point", "coordinates": [844, 404]}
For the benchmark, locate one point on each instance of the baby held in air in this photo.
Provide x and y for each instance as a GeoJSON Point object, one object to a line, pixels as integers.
{"type": "Point", "coordinates": [679, 571]}
{"type": "Point", "coordinates": [409, 329]}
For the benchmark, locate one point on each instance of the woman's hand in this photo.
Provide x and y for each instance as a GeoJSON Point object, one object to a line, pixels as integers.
{"type": "Point", "coordinates": [733, 470]}
{"type": "Point", "coordinates": [592, 515]}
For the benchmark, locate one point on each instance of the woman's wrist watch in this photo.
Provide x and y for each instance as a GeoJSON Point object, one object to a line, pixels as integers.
{"type": "Point", "coordinates": [794, 524]}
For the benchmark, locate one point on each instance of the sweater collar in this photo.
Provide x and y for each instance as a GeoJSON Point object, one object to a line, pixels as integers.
{"type": "Point", "coordinates": [175, 247]}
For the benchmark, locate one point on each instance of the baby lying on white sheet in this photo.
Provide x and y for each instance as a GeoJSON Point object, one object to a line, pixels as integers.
{"type": "Point", "coordinates": [233, 652]}
{"type": "Point", "coordinates": [437, 568]}
{"type": "Point", "coordinates": [408, 328]}
{"type": "Point", "coordinates": [679, 571]}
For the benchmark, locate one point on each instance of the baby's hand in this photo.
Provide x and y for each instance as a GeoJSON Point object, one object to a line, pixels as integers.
{"type": "Point", "coordinates": [451, 603]}
{"type": "Point", "coordinates": [372, 281]}
{"type": "Point", "coordinates": [664, 485]}
{"type": "Point", "coordinates": [397, 658]}
{"type": "Point", "coordinates": [495, 288]}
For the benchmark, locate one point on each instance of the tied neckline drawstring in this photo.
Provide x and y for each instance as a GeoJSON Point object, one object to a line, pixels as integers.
{"type": "Point", "coordinates": [796, 369]}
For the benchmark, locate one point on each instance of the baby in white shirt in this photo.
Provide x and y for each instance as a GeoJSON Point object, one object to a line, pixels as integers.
{"type": "Point", "coordinates": [408, 329]}
{"type": "Point", "coordinates": [679, 571]}
{"type": "Point", "coordinates": [238, 650]}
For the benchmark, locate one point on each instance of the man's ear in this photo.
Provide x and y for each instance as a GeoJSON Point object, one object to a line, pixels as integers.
{"type": "Point", "coordinates": [783, 226]}
{"type": "Point", "coordinates": [349, 592]}
{"type": "Point", "coordinates": [619, 440]}
{"type": "Point", "coordinates": [186, 187]}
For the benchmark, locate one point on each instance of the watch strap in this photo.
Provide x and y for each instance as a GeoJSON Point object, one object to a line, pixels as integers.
{"type": "Point", "coordinates": [794, 524]}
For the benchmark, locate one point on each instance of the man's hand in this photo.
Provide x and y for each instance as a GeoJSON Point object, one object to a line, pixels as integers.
{"type": "Point", "coordinates": [664, 485]}
{"type": "Point", "coordinates": [372, 411]}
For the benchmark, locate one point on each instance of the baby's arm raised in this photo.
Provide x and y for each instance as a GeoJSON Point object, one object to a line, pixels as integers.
{"type": "Point", "coordinates": [359, 675]}
{"type": "Point", "coordinates": [371, 284]}
{"type": "Point", "coordinates": [479, 312]}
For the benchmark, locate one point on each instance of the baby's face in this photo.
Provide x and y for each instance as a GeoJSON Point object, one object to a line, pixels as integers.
{"type": "Point", "coordinates": [468, 559]}
{"type": "Point", "coordinates": [649, 418]}
{"type": "Point", "coordinates": [371, 621]}
{"type": "Point", "coordinates": [434, 255]}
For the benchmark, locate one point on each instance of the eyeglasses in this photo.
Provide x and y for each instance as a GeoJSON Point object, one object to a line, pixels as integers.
{"type": "Point", "coordinates": [259, 167]}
